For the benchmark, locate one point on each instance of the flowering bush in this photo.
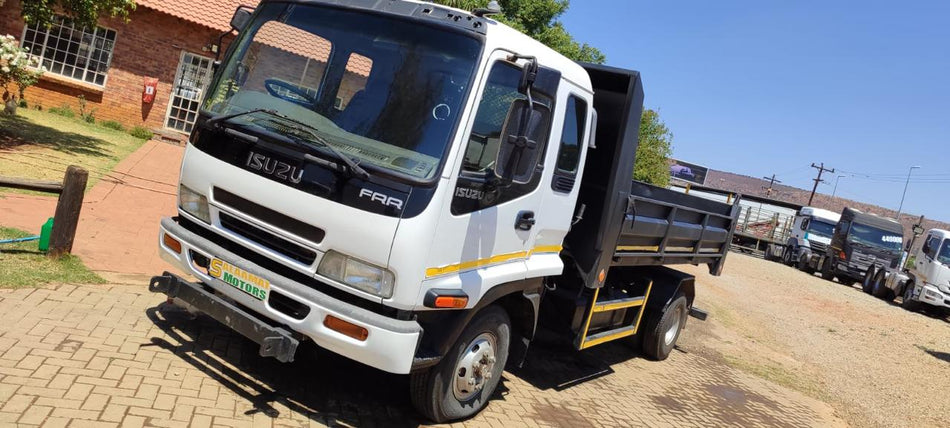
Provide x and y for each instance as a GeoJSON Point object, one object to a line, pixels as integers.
{"type": "Point", "coordinates": [16, 66]}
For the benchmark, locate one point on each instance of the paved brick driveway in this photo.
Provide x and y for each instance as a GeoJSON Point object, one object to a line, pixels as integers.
{"type": "Point", "coordinates": [108, 355]}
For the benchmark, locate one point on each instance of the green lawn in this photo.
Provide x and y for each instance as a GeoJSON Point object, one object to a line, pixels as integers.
{"type": "Point", "coordinates": [40, 145]}
{"type": "Point", "coordinates": [22, 265]}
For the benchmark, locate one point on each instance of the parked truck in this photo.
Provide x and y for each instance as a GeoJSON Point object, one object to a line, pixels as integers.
{"type": "Point", "coordinates": [420, 189]}
{"type": "Point", "coordinates": [926, 281]}
{"type": "Point", "coordinates": [810, 235]}
{"type": "Point", "coordinates": [860, 240]}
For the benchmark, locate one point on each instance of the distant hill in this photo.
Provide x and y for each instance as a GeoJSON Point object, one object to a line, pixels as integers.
{"type": "Point", "coordinates": [756, 186]}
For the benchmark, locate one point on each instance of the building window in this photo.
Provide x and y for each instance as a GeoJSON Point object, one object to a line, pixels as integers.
{"type": "Point", "coordinates": [77, 53]}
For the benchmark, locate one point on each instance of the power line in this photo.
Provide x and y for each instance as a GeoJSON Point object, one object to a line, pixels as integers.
{"type": "Point", "coordinates": [821, 169]}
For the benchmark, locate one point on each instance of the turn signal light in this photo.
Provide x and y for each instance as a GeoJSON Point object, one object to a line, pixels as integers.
{"type": "Point", "coordinates": [171, 243]}
{"type": "Point", "coordinates": [347, 328]}
{"type": "Point", "coordinates": [842, 255]}
{"type": "Point", "coordinates": [453, 302]}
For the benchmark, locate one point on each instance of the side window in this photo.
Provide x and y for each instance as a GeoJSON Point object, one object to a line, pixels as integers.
{"type": "Point", "coordinates": [805, 222]}
{"type": "Point", "coordinates": [932, 243]}
{"type": "Point", "coordinates": [572, 138]}
{"type": "Point", "coordinates": [476, 188]}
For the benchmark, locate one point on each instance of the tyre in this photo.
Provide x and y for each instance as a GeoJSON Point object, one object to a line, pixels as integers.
{"type": "Point", "coordinates": [463, 382]}
{"type": "Point", "coordinates": [878, 289]}
{"type": "Point", "coordinates": [787, 256]}
{"type": "Point", "coordinates": [803, 265]}
{"type": "Point", "coordinates": [907, 300]}
{"type": "Point", "coordinates": [662, 331]}
{"type": "Point", "coordinates": [867, 284]}
{"type": "Point", "coordinates": [825, 269]}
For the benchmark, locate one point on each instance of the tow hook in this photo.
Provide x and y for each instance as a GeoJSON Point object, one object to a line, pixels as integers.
{"type": "Point", "coordinates": [698, 313]}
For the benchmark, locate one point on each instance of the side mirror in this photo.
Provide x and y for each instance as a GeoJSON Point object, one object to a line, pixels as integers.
{"type": "Point", "coordinates": [242, 15]}
{"type": "Point", "coordinates": [522, 140]}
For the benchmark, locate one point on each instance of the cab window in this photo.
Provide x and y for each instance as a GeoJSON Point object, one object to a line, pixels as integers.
{"type": "Point", "coordinates": [569, 153]}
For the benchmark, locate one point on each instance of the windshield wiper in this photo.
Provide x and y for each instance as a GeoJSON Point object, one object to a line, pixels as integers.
{"type": "Point", "coordinates": [351, 165]}
{"type": "Point", "coordinates": [217, 119]}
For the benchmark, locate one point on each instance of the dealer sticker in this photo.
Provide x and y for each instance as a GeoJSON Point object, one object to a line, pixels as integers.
{"type": "Point", "coordinates": [239, 278]}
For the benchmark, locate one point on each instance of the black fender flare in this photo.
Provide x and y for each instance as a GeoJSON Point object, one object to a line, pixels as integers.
{"type": "Point", "coordinates": [667, 284]}
{"type": "Point", "coordinates": [441, 328]}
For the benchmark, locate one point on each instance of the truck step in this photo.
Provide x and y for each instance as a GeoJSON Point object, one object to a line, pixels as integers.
{"type": "Point", "coordinates": [613, 305]}
{"type": "Point", "coordinates": [607, 336]}
{"type": "Point", "coordinates": [584, 340]}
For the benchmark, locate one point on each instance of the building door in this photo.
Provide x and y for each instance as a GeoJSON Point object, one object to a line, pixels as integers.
{"type": "Point", "coordinates": [191, 80]}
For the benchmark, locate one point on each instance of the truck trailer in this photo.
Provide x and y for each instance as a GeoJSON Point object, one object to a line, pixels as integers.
{"type": "Point", "coordinates": [420, 189]}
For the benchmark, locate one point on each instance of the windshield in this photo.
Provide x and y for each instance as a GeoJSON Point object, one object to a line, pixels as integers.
{"type": "Point", "coordinates": [383, 91]}
{"type": "Point", "coordinates": [873, 236]}
{"type": "Point", "coordinates": [944, 255]}
{"type": "Point", "coordinates": [821, 228]}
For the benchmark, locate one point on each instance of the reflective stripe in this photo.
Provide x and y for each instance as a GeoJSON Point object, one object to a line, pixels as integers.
{"type": "Point", "coordinates": [472, 264]}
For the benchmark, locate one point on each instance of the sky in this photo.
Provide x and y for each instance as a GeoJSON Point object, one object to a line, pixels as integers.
{"type": "Point", "coordinates": [770, 87]}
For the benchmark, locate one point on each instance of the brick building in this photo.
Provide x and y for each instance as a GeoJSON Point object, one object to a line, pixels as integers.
{"type": "Point", "coordinates": [171, 40]}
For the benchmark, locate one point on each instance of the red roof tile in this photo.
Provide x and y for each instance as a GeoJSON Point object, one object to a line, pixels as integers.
{"type": "Point", "coordinates": [216, 14]}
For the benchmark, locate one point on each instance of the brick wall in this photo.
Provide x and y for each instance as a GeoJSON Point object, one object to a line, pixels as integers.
{"type": "Point", "coordinates": [150, 44]}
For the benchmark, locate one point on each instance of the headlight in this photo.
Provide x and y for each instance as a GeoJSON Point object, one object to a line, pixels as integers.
{"type": "Point", "coordinates": [193, 203]}
{"type": "Point", "coordinates": [357, 274]}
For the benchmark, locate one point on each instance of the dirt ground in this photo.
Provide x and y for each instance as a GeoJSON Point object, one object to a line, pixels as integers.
{"type": "Point", "coordinates": [873, 362]}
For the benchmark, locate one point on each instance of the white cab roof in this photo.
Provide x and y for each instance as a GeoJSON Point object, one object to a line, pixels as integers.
{"type": "Point", "coordinates": [821, 214]}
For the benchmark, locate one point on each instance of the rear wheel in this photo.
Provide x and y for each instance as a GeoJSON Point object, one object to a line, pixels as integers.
{"type": "Point", "coordinates": [803, 265]}
{"type": "Point", "coordinates": [879, 289]}
{"type": "Point", "coordinates": [787, 256]}
{"type": "Point", "coordinates": [825, 268]}
{"type": "Point", "coordinates": [662, 331]}
{"type": "Point", "coordinates": [867, 284]}
{"type": "Point", "coordinates": [463, 382]}
{"type": "Point", "coordinates": [907, 300]}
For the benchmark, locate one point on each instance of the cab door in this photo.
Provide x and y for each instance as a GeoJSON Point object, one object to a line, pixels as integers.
{"type": "Point", "coordinates": [925, 260]}
{"type": "Point", "coordinates": [486, 231]}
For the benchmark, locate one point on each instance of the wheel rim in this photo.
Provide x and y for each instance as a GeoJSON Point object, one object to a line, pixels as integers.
{"type": "Point", "coordinates": [670, 336]}
{"type": "Point", "coordinates": [474, 369]}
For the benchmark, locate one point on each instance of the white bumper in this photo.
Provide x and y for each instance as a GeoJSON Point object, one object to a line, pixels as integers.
{"type": "Point", "coordinates": [390, 345]}
{"type": "Point", "coordinates": [931, 295]}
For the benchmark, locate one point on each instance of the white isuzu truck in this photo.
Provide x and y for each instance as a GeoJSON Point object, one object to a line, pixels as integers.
{"type": "Point", "coordinates": [810, 235]}
{"type": "Point", "coordinates": [420, 189]}
{"type": "Point", "coordinates": [927, 281]}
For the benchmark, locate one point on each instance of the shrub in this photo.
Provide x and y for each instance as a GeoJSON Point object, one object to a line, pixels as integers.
{"type": "Point", "coordinates": [64, 111]}
{"type": "Point", "coordinates": [23, 103]}
{"type": "Point", "coordinates": [111, 124]}
{"type": "Point", "coordinates": [141, 132]}
{"type": "Point", "coordinates": [88, 116]}
{"type": "Point", "coordinates": [17, 67]}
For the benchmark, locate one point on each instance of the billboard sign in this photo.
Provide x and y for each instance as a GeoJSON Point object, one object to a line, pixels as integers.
{"type": "Point", "coordinates": [688, 172]}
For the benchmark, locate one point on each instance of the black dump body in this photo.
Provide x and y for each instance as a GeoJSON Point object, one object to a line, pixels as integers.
{"type": "Point", "coordinates": [627, 223]}
{"type": "Point", "coordinates": [859, 258]}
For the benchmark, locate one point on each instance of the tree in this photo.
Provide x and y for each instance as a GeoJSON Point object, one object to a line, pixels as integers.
{"type": "Point", "coordinates": [538, 19]}
{"type": "Point", "coordinates": [85, 13]}
{"type": "Point", "coordinates": [656, 146]}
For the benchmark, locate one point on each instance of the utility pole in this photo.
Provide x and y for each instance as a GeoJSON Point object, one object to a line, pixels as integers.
{"type": "Point", "coordinates": [821, 169]}
{"type": "Point", "coordinates": [772, 181]}
{"type": "Point", "coordinates": [835, 191]}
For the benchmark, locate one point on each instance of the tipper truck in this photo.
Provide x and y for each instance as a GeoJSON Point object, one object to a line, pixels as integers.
{"type": "Point", "coordinates": [420, 189]}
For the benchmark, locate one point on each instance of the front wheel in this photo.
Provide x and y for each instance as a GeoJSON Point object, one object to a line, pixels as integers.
{"type": "Point", "coordinates": [867, 284]}
{"type": "Point", "coordinates": [826, 272]}
{"type": "Point", "coordinates": [787, 256]}
{"type": "Point", "coordinates": [663, 331]}
{"type": "Point", "coordinates": [463, 382]}
{"type": "Point", "coordinates": [879, 289]}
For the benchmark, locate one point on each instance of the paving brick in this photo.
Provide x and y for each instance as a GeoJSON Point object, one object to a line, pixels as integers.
{"type": "Point", "coordinates": [95, 402]}
{"type": "Point", "coordinates": [17, 404]}
{"type": "Point", "coordinates": [35, 415]}
{"type": "Point", "coordinates": [114, 412]}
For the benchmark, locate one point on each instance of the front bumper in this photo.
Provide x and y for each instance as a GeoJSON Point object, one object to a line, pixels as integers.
{"type": "Point", "coordinates": [390, 344]}
{"type": "Point", "coordinates": [931, 295]}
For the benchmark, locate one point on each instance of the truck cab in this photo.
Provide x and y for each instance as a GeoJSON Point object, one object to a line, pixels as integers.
{"type": "Point", "coordinates": [861, 240]}
{"type": "Point", "coordinates": [410, 186]}
{"type": "Point", "coordinates": [926, 281]}
{"type": "Point", "coordinates": [810, 234]}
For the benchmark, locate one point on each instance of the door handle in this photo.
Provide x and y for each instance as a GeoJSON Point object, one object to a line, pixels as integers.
{"type": "Point", "coordinates": [525, 220]}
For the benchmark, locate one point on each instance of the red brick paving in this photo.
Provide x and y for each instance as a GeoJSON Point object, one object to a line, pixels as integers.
{"type": "Point", "coordinates": [118, 226]}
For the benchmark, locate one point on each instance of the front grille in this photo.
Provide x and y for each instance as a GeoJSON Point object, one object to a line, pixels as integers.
{"type": "Point", "coordinates": [817, 247]}
{"type": "Point", "coordinates": [279, 269]}
{"type": "Point", "coordinates": [268, 240]}
{"type": "Point", "coordinates": [269, 216]}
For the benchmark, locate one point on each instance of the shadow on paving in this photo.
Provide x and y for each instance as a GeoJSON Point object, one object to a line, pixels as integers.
{"type": "Point", "coordinates": [318, 384]}
{"type": "Point", "coordinates": [18, 131]}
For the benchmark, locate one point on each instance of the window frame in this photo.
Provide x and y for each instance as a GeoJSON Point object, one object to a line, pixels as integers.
{"type": "Point", "coordinates": [46, 36]}
{"type": "Point", "coordinates": [584, 122]}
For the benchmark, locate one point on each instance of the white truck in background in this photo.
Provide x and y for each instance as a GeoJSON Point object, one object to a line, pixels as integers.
{"type": "Point", "coordinates": [926, 282]}
{"type": "Point", "coordinates": [810, 234]}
